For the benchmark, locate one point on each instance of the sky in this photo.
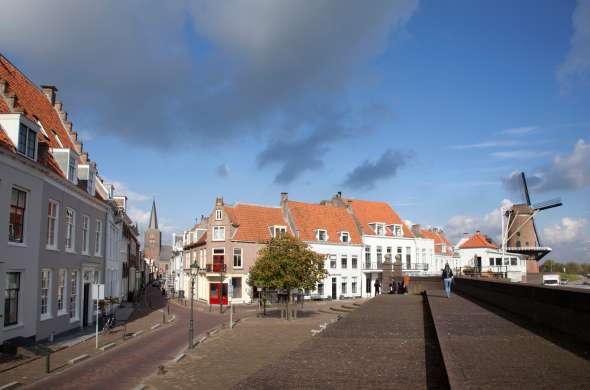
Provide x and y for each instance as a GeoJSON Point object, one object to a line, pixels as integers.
{"type": "Point", "coordinates": [431, 106]}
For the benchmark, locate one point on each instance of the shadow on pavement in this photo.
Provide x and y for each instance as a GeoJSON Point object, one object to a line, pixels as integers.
{"type": "Point", "coordinates": [436, 374]}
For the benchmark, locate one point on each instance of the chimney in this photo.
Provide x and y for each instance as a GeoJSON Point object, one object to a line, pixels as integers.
{"type": "Point", "coordinates": [50, 92]}
{"type": "Point", "coordinates": [12, 101]}
{"type": "Point", "coordinates": [219, 201]}
{"type": "Point", "coordinates": [477, 232]}
{"type": "Point", "coordinates": [416, 229]}
{"type": "Point", "coordinates": [339, 195]}
{"type": "Point", "coordinates": [284, 197]}
{"type": "Point", "coordinates": [3, 87]}
{"type": "Point", "coordinates": [58, 106]}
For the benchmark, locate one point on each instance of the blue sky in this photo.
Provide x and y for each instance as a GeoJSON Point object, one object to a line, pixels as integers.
{"type": "Point", "coordinates": [428, 105]}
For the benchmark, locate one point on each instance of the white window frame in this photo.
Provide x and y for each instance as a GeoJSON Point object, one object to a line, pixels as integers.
{"type": "Point", "coordinates": [345, 234]}
{"type": "Point", "coordinates": [354, 285]}
{"type": "Point", "coordinates": [333, 260]}
{"type": "Point", "coordinates": [52, 231]}
{"type": "Point", "coordinates": [70, 234]}
{"type": "Point", "coordinates": [397, 230]}
{"type": "Point", "coordinates": [45, 292]}
{"type": "Point", "coordinates": [74, 293]}
{"type": "Point", "coordinates": [62, 291]}
{"type": "Point", "coordinates": [85, 234]}
{"type": "Point", "coordinates": [98, 240]}
{"type": "Point", "coordinates": [241, 254]}
{"type": "Point", "coordinates": [218, 215]}
{"type": "Point", "coordinates": [318, 234]}
{"type": "Point", "coordinates": [344, 286]}
{"type": "Point", "coordinates": [28, 133]}
{"type": "Point", "coordinates": [344, 259]}
{"type": "Point", "coordinates": [379, 229]}
{"type": "Point", "coordinates": [278, 228]}
{"type": "Point", "coordinates": [221, 229]}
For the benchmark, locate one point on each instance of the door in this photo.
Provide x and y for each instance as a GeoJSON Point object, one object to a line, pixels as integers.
{"type": "Point", "coordinates": [217, 293]}
{"type": "Point", "coordinates": [218, 261]}
{"type": "Point", "coordinates": [334, 287]}
{"type": "Point", "coordinates": [86, 304]}
{"type": "Point", "coordinates": [368, 284]}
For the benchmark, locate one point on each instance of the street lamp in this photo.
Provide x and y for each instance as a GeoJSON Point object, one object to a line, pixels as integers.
{"type": "Point", "coordinates": [193, 272]}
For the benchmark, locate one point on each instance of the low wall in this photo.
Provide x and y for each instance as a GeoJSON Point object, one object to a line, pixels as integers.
{"type": "Point", "coordinates": [419, 284]}
{"type": "Point", "coordinates": [564, 309]}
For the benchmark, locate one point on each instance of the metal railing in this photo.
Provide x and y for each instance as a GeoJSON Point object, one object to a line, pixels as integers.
{"type": "Point", "coordinates": [217, 267]}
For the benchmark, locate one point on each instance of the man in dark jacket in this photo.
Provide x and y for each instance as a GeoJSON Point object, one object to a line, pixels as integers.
{"type": "Point", "coordinates": [447, 276]}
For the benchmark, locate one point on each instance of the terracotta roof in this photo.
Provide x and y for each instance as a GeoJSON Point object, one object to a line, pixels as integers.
{"type": "Point", "coordinates": [253, 222]}
{"type": "Point", "coordinates": [310, 217]}
{"type": "Point", "coordinates": [478, 240]}
{"type": "Point", "coordinates": [370, 211]}
{"type": "Point", "coordinates": [35, 104]}
{"type": "Point", "coordinates": [5, 140]}
{"type": "Point", "coordinates": [439, 240]}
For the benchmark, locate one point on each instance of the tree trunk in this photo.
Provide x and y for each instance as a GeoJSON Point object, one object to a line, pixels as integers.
{"type": "Point", "coordinates": [288, 300]}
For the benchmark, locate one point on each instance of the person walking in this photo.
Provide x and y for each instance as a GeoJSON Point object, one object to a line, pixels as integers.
{"type": "Point", "coordinates": [377, 287]}
{"type": "Point", "coordinates": [447, 276]}
{"type": "Point", "coordinates": [406, 282]}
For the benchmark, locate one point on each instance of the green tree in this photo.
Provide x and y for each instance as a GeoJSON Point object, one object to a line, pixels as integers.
{"type": "Point", "coordinates": [286, 263]}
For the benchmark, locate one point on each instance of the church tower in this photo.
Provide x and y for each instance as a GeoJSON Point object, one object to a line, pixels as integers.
{"type": "Point", "coordinates": [152, 237]}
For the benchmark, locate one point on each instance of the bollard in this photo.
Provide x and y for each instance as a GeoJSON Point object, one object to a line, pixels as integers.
{"type": "Point", "coordinates": [48, 361]}
{"type": "Point", "coordinates": [163, 316]}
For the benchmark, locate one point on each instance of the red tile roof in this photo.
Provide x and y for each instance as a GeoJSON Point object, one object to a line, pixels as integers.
{"type": "Point", "coordinates": [253, 222]}
{"type": "Point", "coordinates": [310, 217]}
{"type": "Point", "coordinates": [34, 102]}
{"type": "Point", "coordinates": [440, 240]}
{"type": "Point", "coordinates": [478, 240]}
{"type": "Point", "coordinates": [369, 211]}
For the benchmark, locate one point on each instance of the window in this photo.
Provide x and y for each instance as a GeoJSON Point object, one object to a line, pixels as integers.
{"type": "Point", "coordinates": [491, 261]}
{"type": "Point", "coordinates": [332, 261]}
{"type": "Point", "coordinates": [72, 169]}
{"type": "Point", "coordinates": [237, 257]}
{"type": "Point", "coordinates": [388, 255]}
{"type": "Point", "coordinates": [278, 231]}
{"type": "Point", "coordinates": [408, 257]}
{"type": "Point", "coordinates": [397, 230]}
{"type": "Point", "coordinates": [513, 261]}
{"type": "Point", "coordinates": [52, 224]}
{"type": "Point", "coordinates": [73, 304]}
{"type": "Point", "coordinates": [218, 215]}
{"type": "Point", "coordinates": [353, 285]}
{"type": "Point", "coordinates": [236, 287]}
{"type": "Point", "coordinates": [98, 242]}
{"type": "Point", "coordinates": [379, 255]}
{"type": "Point", "coordinates": [368, 256]}
{"type": "Point", "coordinates": [379, 229]}
{"type": "Point", "coordinates": [344, 261]}
{"type": "Point", "coordinates": [399, 250]}
{"type": "Point", "coordinates": [344, 237]}
{"type": "Point", "coordinates": [85, 233]}
{"type": "Point", "coordinates": [16, 221]}
{"type": "Point", "coordinates": [27, 141]}
{"type": "Point", "coordinates": [61, 290]}
{"type": "Point", "coordinates": [45, 293]}
{"type": "Point", "coordinates": [498, 261]}
{"type": "Point", "coordinates": [70, 229]}
{"type": "Point", "coordinates": [218, 233]}
{"type": "Point", "coordinates": [320, 288]}
{"type": "Point", "coordinates": [321, 235]}
{"type": "Point", "coordinates": [343, 284]}
{"type": "Point", "coordinates": [11, 298]}
{"type": "Point", "coordinates": [354, 262]}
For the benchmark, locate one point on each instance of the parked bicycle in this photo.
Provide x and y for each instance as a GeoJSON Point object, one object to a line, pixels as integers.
{"type": "Point", "coordinates": [108, 324]}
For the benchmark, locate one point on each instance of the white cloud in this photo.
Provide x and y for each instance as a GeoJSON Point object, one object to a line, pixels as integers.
{"type": "Point", "coordinates": [489, 223]}
{"type": "Point", "coordinates": [569, 230]}
{"type": "Point", "coordinates": [520, 130]}
{"type": "Point", "coordinates": [122, 189]}
{"type": "Point", "coordinates": [576, 66]}
{"type": "Point", "coordinates": [142, 217]}
{"type": "Point", "coordinates": [487, 145]}
{"type": "Point", "coordinates": [520, 154]}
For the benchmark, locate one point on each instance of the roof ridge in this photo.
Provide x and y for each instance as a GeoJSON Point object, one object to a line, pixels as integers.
{"type": "Point", "coordinates": [255, 205]}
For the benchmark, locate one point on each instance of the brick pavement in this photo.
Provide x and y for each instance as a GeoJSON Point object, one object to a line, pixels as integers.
{"type": "Point", "coordinates": [232, 355]}
{"type": "Point", "coordinates": [388, 342]}
{"type": "Point", "coordinates": [487, 349]}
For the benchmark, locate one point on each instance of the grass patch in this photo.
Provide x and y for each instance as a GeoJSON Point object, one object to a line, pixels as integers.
{"type": "Point", "coordinates": [570, 277]}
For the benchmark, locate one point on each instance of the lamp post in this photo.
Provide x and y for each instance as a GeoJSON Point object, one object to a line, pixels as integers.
{"type": "Point", "coordinates": [193, 271]}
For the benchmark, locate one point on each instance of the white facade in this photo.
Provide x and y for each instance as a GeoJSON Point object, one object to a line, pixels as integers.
{"type": "Point", "coordinates": [343, 263]}
{"type": "Point", "coordinates": [177, 264]}
{"type": "Point", "coordinates": [487, 260]}
{"type": "Point", "coordinates": [114, 259]}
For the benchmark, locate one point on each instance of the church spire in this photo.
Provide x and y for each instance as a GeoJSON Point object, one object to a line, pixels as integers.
{"type": "Point", "coordinates": [153, 217]}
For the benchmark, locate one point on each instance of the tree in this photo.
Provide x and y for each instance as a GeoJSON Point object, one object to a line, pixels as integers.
{"type": "Point", "coordinates": [286, 263]}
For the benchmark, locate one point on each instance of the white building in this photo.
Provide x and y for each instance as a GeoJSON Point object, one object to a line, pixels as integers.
{"type": "Point", "coordinates": [177, 269]}
{"type": "Point", "coordinates": [479, 253]}
{"type": "Point", "coordinates": [331, 231]}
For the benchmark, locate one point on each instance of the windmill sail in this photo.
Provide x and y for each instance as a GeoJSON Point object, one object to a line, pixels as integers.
{"type": "Point", "coordinates": [525, 189]}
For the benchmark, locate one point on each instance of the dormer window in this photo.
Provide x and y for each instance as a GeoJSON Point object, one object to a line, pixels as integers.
{"type": "Point", "coordinates": [218, 215]}
{"type": "Point", "coordinates": [344, 237]}
{"type": "Point", "coordinates": [379, 229]}
{"type": "Point", "coordinates": [71, 168]}
{"type": "Point", "coordinates": [321, 235]}
{"type": "Point", "coordinates": [27, 141]}
{"type": "Point", "coordinates": [278, 231]}
{"type": "Point", "coordinates": [397, 230]}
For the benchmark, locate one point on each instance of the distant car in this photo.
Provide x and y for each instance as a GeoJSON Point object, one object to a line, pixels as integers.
{"type": "Point", "coordinates": [551, 280]}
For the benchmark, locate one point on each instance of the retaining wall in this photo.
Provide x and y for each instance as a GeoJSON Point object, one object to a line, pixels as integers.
{"type": "Point", "coordinates": [563, 309]}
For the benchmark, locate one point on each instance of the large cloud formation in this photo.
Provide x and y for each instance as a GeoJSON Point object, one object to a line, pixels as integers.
{"type": "Point", "coordinates": [205, 70]}
{"type": "Point", "coordinates": [367, 174]}
{"type": "Point", "coordinates": [576, 66]}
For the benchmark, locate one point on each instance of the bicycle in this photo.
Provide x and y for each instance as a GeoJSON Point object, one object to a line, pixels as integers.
{"type": "Point", "coordinates": [109, 324]}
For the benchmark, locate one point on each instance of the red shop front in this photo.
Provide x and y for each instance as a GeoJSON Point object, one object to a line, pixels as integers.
{"type": "Point", "coordinates": [217, 293]}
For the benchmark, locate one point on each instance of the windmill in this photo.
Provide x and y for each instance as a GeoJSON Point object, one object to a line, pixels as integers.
{"type": "Point", "coordinates": [519, 233]}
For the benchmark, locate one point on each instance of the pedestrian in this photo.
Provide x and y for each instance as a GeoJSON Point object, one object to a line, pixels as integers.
{"type": "Point", "coordinates": [447, 276]}
{"type": "Point", "coordinates": [395, 287]}
{"type": "Point", "coordinates": [377, 287]}
{"type": "Point", "coordinates": [390, 288]}
{"type": "Point", "coordinates": [406, 282]}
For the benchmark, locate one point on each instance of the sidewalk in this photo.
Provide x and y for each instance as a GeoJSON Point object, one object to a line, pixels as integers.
{"type": "Point", "coordinates": [232, 355]}
{"type": "Point", "coordinates": [484, 349]}
{"type": "Point", "coordinates": [142, 319]}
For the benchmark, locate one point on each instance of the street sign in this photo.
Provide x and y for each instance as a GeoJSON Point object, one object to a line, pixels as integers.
{"type": "Point", "coordinates": [98, 291]}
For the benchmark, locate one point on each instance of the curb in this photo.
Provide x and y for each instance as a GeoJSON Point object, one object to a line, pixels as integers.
{"type": "Point", "coordinates": [453, 382]}
{"type": "Point", "coordinates": [138, 333]}
{"type": "Point", "coordinates": [171, 319]}
{"type": "Point", "coordinates": [11, 385]}
{"type": "Point", "coordinates": [78, 359]}
{"type": "Point", "coordinates": [179, 357]}
{"type": "Point", "coordinates": [108, 346]}
{"type": "Point", "coordinates": [155, 326]}
{"type": "Point", "coordinates": [141, 386]}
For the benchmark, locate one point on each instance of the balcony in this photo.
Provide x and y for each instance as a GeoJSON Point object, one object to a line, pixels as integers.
{"type": "Point", "coordinates": [217, 267]}
{"type": "Point", "coordinates": [416, 267]}
{"type": "Point", "coordinates": [372, 266]}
